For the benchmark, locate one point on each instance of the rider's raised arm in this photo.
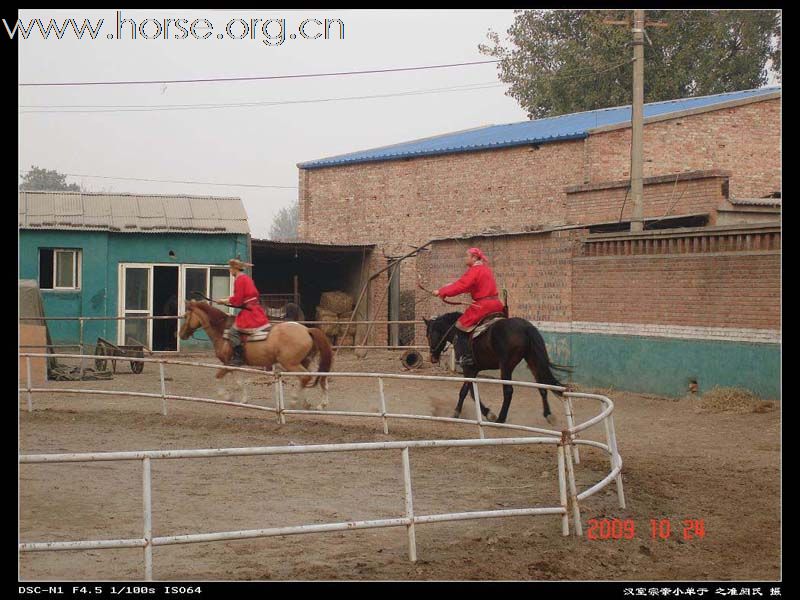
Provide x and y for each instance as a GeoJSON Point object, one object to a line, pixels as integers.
{"type": "Point", "coordinates": [461, 286]}
{"type": "Point", "coordinates": [238, 292]}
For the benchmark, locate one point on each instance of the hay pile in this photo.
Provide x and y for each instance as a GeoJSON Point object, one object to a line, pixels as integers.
{"type": "Point", "coordinates": [336, 302]}
{"type": "Point", "coordinates": [735, 400]}
{"type": "Point", "coordinates": [337, 306]}
{"type": "Point", "coordinates": [332, 329]}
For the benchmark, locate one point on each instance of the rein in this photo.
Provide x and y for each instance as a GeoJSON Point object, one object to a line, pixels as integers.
{"type": "Point", "coordinates": [204, 297]}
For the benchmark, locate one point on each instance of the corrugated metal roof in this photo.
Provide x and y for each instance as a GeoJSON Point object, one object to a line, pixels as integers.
{"type": "Point", "coordinates": [291, 244]}
{"type": "Point", "coordinates": [540, 131]}
{"type": "Point", "coordinates": [756, 201]}
{"type": "Point", "coordinates": [131, 213]}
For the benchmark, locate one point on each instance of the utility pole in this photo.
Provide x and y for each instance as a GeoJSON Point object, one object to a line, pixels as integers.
{"type": "Point", "coordinates": [637, 114]}
{"type": "Point", "coordinates": [637, 121]}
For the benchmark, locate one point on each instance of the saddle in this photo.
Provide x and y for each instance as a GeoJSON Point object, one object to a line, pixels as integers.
{"type": "Point", "coordinates": [259, 334]}
{"type": "Point", "coordinates": [487, 322]}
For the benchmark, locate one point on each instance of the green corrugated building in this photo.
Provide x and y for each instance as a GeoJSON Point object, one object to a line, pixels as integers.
{"type": "Point", "coordinates": [126, 255]}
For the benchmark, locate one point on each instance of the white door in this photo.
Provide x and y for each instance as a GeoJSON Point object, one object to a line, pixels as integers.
{"type": "Point", "coordinates": [136, 299]}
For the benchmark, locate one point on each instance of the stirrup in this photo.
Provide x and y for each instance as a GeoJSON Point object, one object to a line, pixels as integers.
{"type": "Point", "coordinates": [237, 359]}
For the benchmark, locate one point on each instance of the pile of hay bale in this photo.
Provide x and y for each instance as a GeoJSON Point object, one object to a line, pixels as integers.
{"type": "Point", "coordinates": [736, 400]}
{"type": "Point", "coordinates": [337, 306]}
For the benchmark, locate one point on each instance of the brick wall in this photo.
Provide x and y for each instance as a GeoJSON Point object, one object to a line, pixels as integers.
{"type": "Point", "coordinates": [410, 201]}
{"type": "Point", "coordinates": [701, 278]}
{"type": "Point", "coordinates": [722, 279]}
{"type": "Point", "coordinates": [403, 202]}
{"type": "Point", "coordinates": [745, 140]}
{"type": "Point", "coordinates": [665, 196]}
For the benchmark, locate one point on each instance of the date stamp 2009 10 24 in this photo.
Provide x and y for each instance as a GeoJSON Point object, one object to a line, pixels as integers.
{"type": "Point", "coordinates": [625, 529]}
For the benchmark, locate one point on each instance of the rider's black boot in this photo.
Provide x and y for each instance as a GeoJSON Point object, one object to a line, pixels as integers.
{"type": "Point", "coordinates": [234, 339]}
{"type": "Point", "coordinates": [237, 360]}
{"type": "Point", "coordinates": [463, 350]}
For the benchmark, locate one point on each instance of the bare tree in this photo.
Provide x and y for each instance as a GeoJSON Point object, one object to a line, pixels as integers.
{"type": "Point", "coordinates": [284, 226]}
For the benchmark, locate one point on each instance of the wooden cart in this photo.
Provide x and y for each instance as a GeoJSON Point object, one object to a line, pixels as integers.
{"type": "Point", "coordinates": [106, 348]}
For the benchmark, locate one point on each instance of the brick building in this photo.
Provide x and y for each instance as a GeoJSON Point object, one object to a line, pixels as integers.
{"type": "Point", "coordinates": [549, 203]}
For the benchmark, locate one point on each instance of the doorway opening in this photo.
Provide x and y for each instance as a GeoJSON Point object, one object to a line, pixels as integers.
{"type": "Point", "coordinates": [165, 304]}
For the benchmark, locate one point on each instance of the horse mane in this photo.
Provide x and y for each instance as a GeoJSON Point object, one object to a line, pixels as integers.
{"type": "Point", "coordinates": [449, 318]}
{"type": "Point", "coordinates": [215, 315]}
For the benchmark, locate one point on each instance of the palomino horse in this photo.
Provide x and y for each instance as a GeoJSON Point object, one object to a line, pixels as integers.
{"type": "Point", "coordinates": [507, 343]}
{"type": "Point", "coordinates": [290, 345]}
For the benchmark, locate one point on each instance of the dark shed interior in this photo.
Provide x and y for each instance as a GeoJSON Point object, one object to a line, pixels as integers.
{"type": "Point", "coordinates": [313, 268]}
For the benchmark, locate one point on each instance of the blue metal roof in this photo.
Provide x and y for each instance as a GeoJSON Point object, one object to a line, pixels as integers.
{"type": "Point", "coordinates": [540, 131]}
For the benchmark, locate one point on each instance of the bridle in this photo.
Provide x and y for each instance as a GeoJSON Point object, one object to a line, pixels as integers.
{"type": "Point", "coordinates": [444, 339]}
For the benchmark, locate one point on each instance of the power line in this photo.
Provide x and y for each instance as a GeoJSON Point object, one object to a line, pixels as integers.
{"type": "Point", "coordinates": [247, 185]}
{"type": "Point", "coordinates": [167, 107]}
{"type": "Point", "coordinates": [259, 77]}
{"type": "Point", "coordinates": [84, 109]}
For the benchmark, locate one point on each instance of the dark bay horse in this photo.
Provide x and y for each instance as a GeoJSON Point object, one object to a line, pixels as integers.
{"type": "Point", "coordinates": [503, 346]}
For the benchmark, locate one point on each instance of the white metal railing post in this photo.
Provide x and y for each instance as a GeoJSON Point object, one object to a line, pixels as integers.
{"type": "Point", "coordinates": [28, 377]}
{"type": "Point", "coordinates": [412, 538]}
{"type": "Point", "coordinates": [148, 520]}
{"type": "Point", "coordinates": [163, 388]}
{"type": "Point", "coordinates": [573, 489]}
{"type": "Point", "coordinates": [562, 490]}
{"type": "Point", "coordinates": [80, 341]}
{"type": "Point", "coordinates": [382, 400]}
{"type": "Point", "coordinates": [281, 407]}
{"type": "Point", "coordinates": [617, 460]}
{"type": "Point", "coordinates": [478, 415]}
{"type": "Point", "coordinates": [570, 413]}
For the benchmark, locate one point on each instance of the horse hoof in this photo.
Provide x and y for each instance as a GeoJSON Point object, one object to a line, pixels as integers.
{"type": "Point", "coordinates": [551, 419]}
{"type": "Point", "coordinates": [491, 417]}
{"type": "Point", "coordinates": [456, 415]}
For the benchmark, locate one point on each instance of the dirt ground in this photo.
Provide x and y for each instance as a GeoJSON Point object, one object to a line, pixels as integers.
{"type": "Point", "coordinates": [680, 462]}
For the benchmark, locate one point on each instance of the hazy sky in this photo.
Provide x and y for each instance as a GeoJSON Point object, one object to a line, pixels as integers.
{"type": "Point", "coordinates": [256, 144]}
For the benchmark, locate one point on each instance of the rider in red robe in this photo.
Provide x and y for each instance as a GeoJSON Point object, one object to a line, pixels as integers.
{"type": "Point", "coordinates": [252, 315]}
{"type": "Point", "coordinates": [478, 281]}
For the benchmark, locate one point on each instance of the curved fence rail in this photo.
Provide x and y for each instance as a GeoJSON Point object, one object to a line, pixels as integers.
{"type": "Point", "coordinates": [565, 441]}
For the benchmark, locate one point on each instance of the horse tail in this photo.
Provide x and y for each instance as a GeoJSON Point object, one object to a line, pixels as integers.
{"type": "Point", "coordinates": [539, 361]}
{"type": "Point", "coordinates": [323, 346]}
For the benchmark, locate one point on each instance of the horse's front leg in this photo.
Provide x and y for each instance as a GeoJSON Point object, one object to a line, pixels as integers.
{"type": "Point", "coordinates": [508, 393]}
{"type": "Point", "coordinates": [222, 372]}
{"type": "Point", "coordinates": [465, 389]}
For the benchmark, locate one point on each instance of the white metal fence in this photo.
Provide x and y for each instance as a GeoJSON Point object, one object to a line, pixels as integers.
{"type": "Point", "coordinates": [565, 441]}
{"type": "Point", "coordinates": [82, 344]}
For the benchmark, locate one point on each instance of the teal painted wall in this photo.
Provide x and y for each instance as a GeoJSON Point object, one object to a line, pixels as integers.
{"type": "Point", "coordinates": [90, 300]}
{"type": "Point", "coordinates": [101, 254]}
{"type": "Point", "coordinates": [664, 366]}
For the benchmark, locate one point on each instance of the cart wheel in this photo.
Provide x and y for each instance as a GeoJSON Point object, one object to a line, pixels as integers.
{"type": "Point", "coordinates": [99, 364]}
{"type": "Point", "coordinates": [137, 367]}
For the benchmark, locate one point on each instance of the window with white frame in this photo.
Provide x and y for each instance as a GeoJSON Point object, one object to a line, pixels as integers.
{"type": "Point", "coordinates": [212, 282]}
{"type": "Point", "coordinates": [59, 269]}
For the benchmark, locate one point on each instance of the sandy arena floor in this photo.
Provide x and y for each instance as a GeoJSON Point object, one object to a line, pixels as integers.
{"type": "Point", "coordinates": [679, 463]}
